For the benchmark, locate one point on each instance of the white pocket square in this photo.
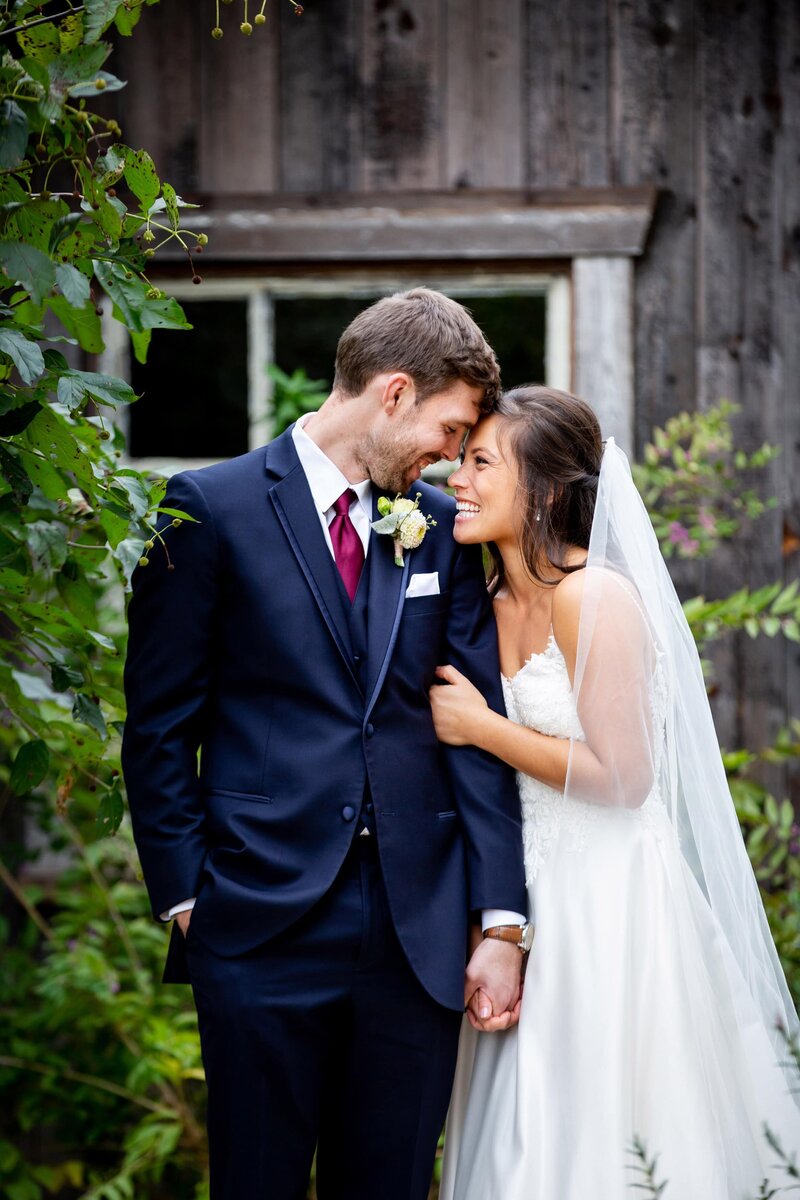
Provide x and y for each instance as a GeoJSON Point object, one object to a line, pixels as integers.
{"type": "Point", "coordinates": [423, 585]}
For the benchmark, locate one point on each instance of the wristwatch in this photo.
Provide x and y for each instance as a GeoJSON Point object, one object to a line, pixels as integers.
{"type": "Point", "coordinates": [519, 935]}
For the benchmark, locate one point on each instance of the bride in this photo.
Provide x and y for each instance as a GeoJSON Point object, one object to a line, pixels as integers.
{"type": "Point", "coordinates": [653, 991]}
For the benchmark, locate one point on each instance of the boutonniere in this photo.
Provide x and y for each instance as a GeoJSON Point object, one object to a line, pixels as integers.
{"type": "Point", "coordinates": [404, 522]}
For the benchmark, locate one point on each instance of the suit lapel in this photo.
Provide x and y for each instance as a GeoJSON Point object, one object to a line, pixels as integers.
{"type": "Point", "coordinates": [387, 588]}
{"type": "Point", "coordinates": [294, 507]}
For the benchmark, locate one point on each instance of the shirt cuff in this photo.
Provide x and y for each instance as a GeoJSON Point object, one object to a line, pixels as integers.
{"type": "Point", "coordinates": [184, 906]}
{"type": "Point", "coordinates": [500, 916]}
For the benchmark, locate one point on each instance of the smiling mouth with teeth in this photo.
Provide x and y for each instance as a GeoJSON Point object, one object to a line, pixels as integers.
{"type": "Point", "coordinates": [466, 510]}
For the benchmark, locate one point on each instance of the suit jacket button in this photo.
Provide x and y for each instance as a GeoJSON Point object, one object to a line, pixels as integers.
{"type": "Point", "coordinates": [369, 730]}
{"type": "Point", "coordinates": [348, 813]}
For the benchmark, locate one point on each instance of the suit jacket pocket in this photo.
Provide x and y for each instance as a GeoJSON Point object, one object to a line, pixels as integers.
{"type": "Point", "coordinates": [259, 799]}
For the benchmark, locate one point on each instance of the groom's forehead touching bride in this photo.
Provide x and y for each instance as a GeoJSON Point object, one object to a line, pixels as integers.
{"type": "Point", "coordinates": [413, 375]}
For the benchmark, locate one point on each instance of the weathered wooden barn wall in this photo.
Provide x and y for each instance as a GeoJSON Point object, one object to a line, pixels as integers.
{"type": "Point", "coordinates": [699, 98]}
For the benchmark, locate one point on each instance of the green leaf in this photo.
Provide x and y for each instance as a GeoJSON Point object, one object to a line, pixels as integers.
{"type": "Point", "coordinates": [13, 422]}
{"type": "Point", "coordinates": [88, 713]}
{"type": "Point", "coordinates": [30, 767]}
{"type": "Point", "coordinates": [387, 524]}
{"type": "Point", "coordinates": [76, 66]}
{"type": "Point", "coordinates": [70, 30]}
{"type": "Point", "coordinates": [142, 177]}
{"type": "Point", "coordinates": [787, 599]}
{"type": "Point", "coordinates": [35, 221]}
{"type": "Point", "coordinates": [73, 285]}
{"type": "Point", "coordinates": [64, 677]}
{"type": "Point", "coordinates": [13, 134]}
{"type": "Point", "coordinates": [141, 344]}
{"type": "Point", "coordinates": [127, 552]}
{"type": "Point", "coordinates": [82, 323]}
{"type": "Point", "coordinates": [170, 201]}
{"type": "Point", "coordinates": [127, 19]}
{"type": "Point", "coordinates": [26, 356]}
{"type": "Point", "coordinates": [75, 386]}
{"type": "Point", "coordinates": [98, 15]}
{"type": "Point", "coordinates": [40, 42]}
{"type": "Point", "coordinates": [107, 216]}
{"type": "Point", "coordinates": [90, 88]}
{"type": "Point", "coordinates": [47, 543]}
{"type": "Point", "coordinates": [28, 267]}
{"type": "Point", "coordinates": [110, 811]}
{"type": "Point", "coordinates": [16, 476]}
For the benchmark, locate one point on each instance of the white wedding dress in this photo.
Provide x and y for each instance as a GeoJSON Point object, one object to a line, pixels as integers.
{"type": "Point", "coordinates": [627, 1027]}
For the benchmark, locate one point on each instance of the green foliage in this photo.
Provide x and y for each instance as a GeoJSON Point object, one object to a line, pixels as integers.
{"type": "Point", "coordinates": [293, 395]}
{"type": "Point", "coordinates": [691, 482]}
{"type": "Point", "coordinates": [770, 610]}
{"type": "Point", "coordinates": [93, 1051]}
{"type": "Point", "coordinates": [772, 835]}
{"type": "Point", "coordinates": [73, 523]}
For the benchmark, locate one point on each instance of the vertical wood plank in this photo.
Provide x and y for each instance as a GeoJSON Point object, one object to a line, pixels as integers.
{"type": "Point", "coordinates": [737, 357]}
{"type": "Point", "coordinates": [653, 105]}
{"type": "Point", "coordinates": [403, 90]}
{"type": "Point", "coordinates": [320, 107]}
{"type": "Point", "coordinates": [567, 91]}
{"type": "Point", "coordinates": [787, 327]}
{"type": "Point", "coordinates": [483, 135]}
{"type": "Point", "coordinates": [603, 303]}
{"type": "Point", "coordinates": [239, 105]}
{"type": "Point", "coordinates": [160, 109]}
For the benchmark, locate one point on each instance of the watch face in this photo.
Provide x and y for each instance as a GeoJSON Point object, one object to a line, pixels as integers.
{"type": "Point", "coordinates": [527, 937]}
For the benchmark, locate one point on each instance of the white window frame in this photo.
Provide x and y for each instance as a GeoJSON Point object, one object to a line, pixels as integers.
{"type": "Point", "coordinates": [259, 293]}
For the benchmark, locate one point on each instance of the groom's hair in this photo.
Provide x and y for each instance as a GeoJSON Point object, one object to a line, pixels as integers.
{"type": "Point", "coordinates": [429, 336]}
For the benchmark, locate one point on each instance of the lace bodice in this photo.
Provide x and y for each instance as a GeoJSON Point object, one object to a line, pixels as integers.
{"type": "Point", "coordinates": [540, 697]}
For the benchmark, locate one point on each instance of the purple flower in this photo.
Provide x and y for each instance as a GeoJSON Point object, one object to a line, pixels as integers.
{"type": "Point", "coordinates": [706, 521]}
{"type": "Point", "coordinates": [72, 945]}
{"type": "Point", "coordinates": [678, 534]}
{"type": "Point", "coordinates": [113, 986]}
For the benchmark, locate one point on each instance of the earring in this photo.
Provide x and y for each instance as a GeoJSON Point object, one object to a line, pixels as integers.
{"type": "Point", "coordinates": [538, 516]}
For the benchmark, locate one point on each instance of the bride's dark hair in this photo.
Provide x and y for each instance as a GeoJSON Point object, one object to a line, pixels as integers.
{"type": "Point", "coordinates": [556, 444]}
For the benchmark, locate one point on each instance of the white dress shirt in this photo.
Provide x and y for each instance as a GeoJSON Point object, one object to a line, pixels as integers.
{"type": "Point", "coordinates": [327, 483]}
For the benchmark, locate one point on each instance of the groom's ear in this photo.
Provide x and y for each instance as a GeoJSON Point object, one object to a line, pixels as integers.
{"type": "Point", "coordinates": [398, 391]}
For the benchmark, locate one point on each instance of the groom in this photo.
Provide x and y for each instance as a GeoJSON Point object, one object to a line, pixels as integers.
{"type": "Point", "coordinates": [324, 857]}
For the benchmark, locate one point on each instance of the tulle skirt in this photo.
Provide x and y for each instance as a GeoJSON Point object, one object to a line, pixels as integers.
{"type": "Point", "coordinates": [635, 1024]}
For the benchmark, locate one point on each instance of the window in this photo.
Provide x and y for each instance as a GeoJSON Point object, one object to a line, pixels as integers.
{"type": "Point", "coordinates": [205, 394]}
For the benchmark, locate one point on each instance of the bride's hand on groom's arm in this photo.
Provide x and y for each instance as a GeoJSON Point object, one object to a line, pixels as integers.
{"type": "Point", "coordinates": [459, 709]}
{"type": "Point", "coordinates": [492, 986]}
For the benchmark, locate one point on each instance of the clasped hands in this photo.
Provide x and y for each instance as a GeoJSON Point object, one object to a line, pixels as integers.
{"type": "Point", "coordinates": [493, 984]}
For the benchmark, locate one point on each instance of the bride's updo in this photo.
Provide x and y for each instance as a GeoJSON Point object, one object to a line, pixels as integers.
{"type": "Point", "coordinates": [555, 441]}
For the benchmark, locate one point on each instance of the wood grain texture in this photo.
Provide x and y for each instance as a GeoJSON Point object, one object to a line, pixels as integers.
{"type": "Point", "coordinates": [321, 98]}
{"type": "Point", "coordinates": [567, 91]}
{"type": "Point", "coordinates": [239, 107]}
{"type": "Point", "coordinates": [737, 319]}
{"type": "Point", "coordinates": [484, 126]}
{"type": "Point", "coordinates": [162, 106]}
{"type": "Point", "coordinates": [403, 94]}
{"type": "Point", "coordinates": [283, 232]}
{"type": "Point", "coordinates": [787, 330]}
{"type": "Point", "coordinates": [653, 106]}
{"type": "Point", "coordinates": [603, 317]}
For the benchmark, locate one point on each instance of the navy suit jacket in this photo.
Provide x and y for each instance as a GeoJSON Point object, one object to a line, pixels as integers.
{"type": "Point", "coordinates": [241, 651]}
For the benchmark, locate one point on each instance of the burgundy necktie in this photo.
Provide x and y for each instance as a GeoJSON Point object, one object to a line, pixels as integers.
{"type": "Point", "coordinates": [347, 546]}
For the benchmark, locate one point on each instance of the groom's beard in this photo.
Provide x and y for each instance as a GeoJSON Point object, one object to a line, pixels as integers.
{"type": "Point", "coordinates": [392, 463]}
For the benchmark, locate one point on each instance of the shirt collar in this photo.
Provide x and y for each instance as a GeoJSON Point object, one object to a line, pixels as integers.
{"type": "Point", "coordinates": [325, 479]}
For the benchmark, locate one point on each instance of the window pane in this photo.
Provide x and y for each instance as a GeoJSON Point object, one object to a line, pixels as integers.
{"type": "Point", "coordinates": [194, 386]}
{"type": "Point", "coordinates": [307, 331]}
{"type": "Point", "coordinates": [514, 326]}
